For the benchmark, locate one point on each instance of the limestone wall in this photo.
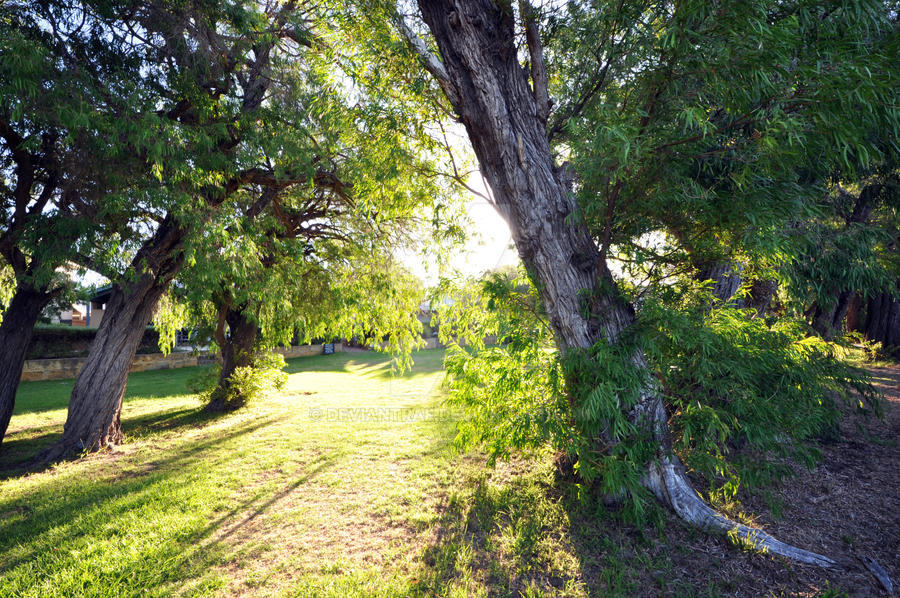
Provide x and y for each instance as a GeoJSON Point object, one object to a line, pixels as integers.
{"type": "Point", "coordinates": [306, 350]}
{"type": "Point", "coordinates": [62, 368]}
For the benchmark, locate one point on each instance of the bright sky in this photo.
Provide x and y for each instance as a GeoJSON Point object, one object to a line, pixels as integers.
{"type": "Point", "coordinates": [489, 244]}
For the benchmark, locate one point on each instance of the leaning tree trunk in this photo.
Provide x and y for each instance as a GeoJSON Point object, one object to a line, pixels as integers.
{"type": "Point", "coordinates": [15, 335]}
{"type": "Point", "coordinates": [506, 123]}
{"type": "Point", "coordinates": [236, 351]}
{"type": "Point", "coordinates": [95, 407]}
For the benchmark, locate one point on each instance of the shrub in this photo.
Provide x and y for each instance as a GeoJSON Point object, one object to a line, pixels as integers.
{"type": "Point", "coordinates": [245, 385]}
{"type": "Point", "coordinates": [742, 395]}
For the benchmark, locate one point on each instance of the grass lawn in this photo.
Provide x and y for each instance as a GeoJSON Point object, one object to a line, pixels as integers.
{"type": "Point", "coordinates": [343, 484]}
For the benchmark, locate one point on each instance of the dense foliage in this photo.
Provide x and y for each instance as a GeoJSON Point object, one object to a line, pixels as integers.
{"type": "Point", "coordinates": [747, 398]}
{"type": "Point", "coordinates": [272, 157]}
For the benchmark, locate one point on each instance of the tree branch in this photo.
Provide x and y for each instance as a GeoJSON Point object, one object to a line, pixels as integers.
{"type": "Point", "coordinates": [538, 67]}
{"type": "Point", "coordinates": [431, 62]}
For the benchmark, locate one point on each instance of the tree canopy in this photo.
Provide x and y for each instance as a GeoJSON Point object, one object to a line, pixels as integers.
{"type": "Point", "coordinates": [695, 191]}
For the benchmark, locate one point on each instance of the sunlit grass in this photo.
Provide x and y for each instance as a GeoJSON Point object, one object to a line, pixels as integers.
{"type": "Point", "coordinates": [343, 484]}
{"type": "Point", "coordinates": [309, 477]}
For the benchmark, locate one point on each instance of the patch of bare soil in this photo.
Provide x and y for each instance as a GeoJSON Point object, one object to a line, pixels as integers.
{"type": "Point", "coordinates": [847, 508]}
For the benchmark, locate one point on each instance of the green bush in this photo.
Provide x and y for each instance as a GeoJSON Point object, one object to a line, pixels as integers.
{"type": "Point", "coordinates": [744, 396]}
{"type": "Point", "coordinates": [249, 383]}
{"type": "Point", "coordinates": [741, 395]}
{"type": "Point", "coordinates": [245, 385]}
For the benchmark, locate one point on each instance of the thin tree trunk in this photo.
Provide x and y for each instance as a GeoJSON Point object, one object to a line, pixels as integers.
{"type": "Point", "coordinates": [236, 351]}
{"type": "Point", "coordinates": [491, 94]}
{"type": "Point", "coordinates": [95, 407]}
{"type": "Point", "coordinates": [15, 335]}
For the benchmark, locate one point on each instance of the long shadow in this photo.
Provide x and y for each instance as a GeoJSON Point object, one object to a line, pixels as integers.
{"type": "Point", "coordinates": [151, 423]}
{"type": "Point", "coordinates": [336, 362]}
{"type": "Point", "coordinates": [63, 507]}
{"type": "Point", "coordinates": [468, 531]}
{"type": "Point", "coordinates": [185, 556]}
{"type": "Point", "coordinates": [461, 545]}
{"type": "Point", "coordinates": [520, 511]}
{"type": "Point", "coordinates": [64, 502]}
{"type": "Point", "coordinates": [318, 466]}
{"type": "Point", "coordinates": [194, 555]}
{"type": "Point", "coordinates": [14, 454]}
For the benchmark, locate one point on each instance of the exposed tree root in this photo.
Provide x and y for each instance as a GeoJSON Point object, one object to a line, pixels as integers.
{"type": "Point", "coordinates": [667, 481]}
{"type": "Point", "coordinates": [879, 573]}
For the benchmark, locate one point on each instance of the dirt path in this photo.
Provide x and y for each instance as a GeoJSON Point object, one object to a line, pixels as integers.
{"type": "Point", "coordinates": [847, 507]}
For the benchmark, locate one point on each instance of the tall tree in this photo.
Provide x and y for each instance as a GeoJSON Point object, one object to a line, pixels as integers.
{"type": "Point", "coordinates": [246, 109]}
{"type": "Point", "coordinates": [317, 263]}
{"type": "Point", "coordinates": [211, 69]}
{"type": "Point", "coordinates": [63, 155]}
{"type": "Point", "coordinates": [662, 103]}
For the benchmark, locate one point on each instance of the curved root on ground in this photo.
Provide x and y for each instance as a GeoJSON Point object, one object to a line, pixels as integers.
{"type": "Point", "coordinates": [667, 481]}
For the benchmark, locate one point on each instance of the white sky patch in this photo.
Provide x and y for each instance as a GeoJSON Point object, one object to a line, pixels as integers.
{"type": "Point", "coordinates": [488, 246]}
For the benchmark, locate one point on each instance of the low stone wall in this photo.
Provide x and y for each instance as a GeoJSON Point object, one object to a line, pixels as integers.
{"type": "Point", "coordinates": [68, 367]}
{"type": "Point", "coordinates": [306, 350]}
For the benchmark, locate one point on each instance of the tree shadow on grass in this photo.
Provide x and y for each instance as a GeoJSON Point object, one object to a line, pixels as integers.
{"type": "Point", "coordinates": [15, 452]}
{"type": "Point", "coordinates": [70, 505]}
{"type": "Point", "coordinates": [51, 530]}
{"type": "Point", "coordinates": [522, 529]}
{"type": "Point", "coordinates": [502, 538]}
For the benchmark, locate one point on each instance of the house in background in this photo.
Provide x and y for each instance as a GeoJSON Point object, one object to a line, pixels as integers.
{"type": "Point", "coordinates": [74, 316]}
{"type": "Point", "coordinates": [88, 314]}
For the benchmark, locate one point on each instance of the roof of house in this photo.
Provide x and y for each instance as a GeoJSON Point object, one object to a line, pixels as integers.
{"type": "Point", "coordinates": [102, 294]}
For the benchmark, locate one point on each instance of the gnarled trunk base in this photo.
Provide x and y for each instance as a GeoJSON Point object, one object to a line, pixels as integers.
{"type": "Point", "coordinates": [500, 109]}
{"type": "Point", "coordinates": [236, 352]}
{"type": "Point", "coordinates": [95, 407]}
